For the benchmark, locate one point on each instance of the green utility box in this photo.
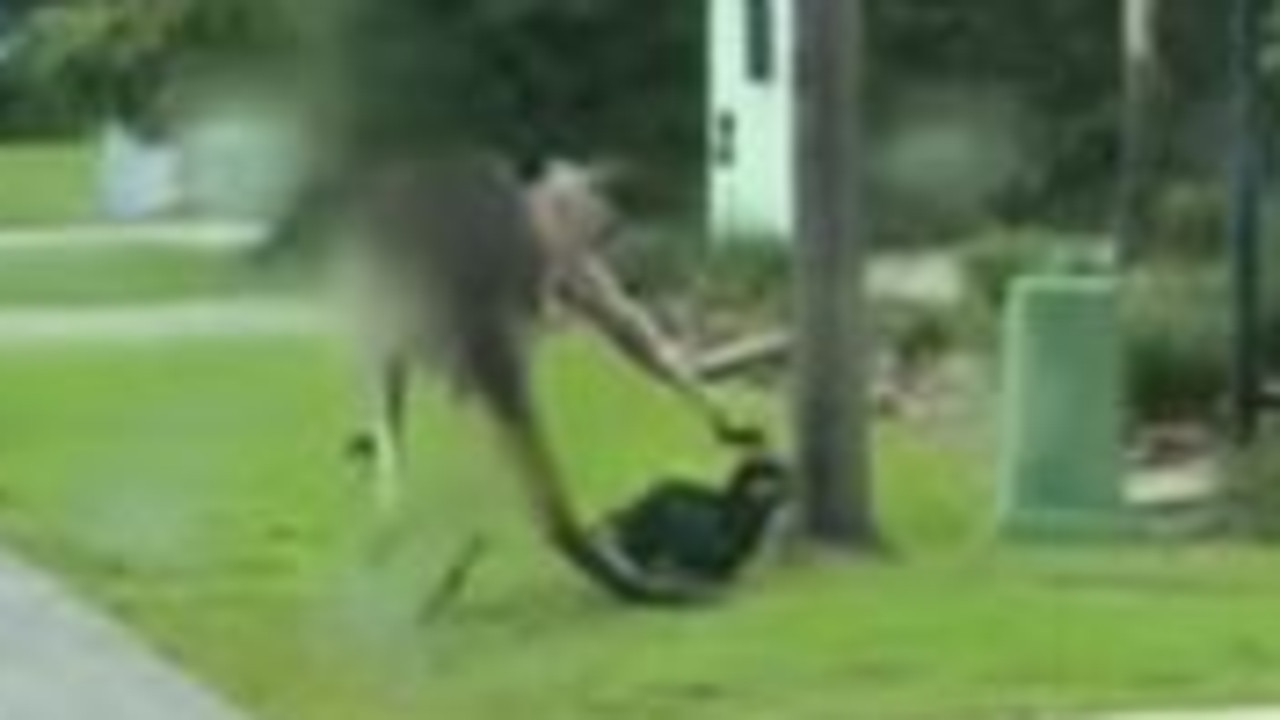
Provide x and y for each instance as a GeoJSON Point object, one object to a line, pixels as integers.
{"type": "Point", "coordinates": [1061, 455]}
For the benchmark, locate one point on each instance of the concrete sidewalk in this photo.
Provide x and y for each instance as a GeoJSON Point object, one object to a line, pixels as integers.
{"type": "Point", "coordinates": [62, 660]}
{"type": "Point", "coordinates": [246, 317]}
{"type": "Point", "coordinates": [200, 236]}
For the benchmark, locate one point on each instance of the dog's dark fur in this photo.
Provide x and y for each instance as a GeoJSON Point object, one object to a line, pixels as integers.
{"type": "Point", "coordinates": [705, 534]}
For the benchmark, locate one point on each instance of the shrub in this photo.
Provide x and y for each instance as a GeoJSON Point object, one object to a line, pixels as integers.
{"type": "Point", "coordinates": [1253, 488]}
{"type": "Point", "coordinates": [916, 334]}
{"type": "Point", "coordinates": [1175, 316]}
{"type": "Point", "coordinates": [660, 260]}
{"type": "Point", "coordinates": [747, 272]}
{"type": "Point", "coordinates": [711, 292]}
{"type": "Point", "coordinates": [1188, 220]}
{"type": "Point", "coordinates": [678, 258]}
{"type": "Point", "coordinates": [993, 261]}
{"type": "Point", "coordinates": [1175, 341]}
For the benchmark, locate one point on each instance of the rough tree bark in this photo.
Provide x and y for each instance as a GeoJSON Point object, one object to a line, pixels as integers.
{"type": "Point", "coordinates": [832, 360]}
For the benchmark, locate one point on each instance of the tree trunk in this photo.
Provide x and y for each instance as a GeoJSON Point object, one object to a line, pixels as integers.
{"type": "Point", "coordinates": [832, 400]}
{"type": "Point", "coordinates": [1140, 77]}
{"type": "Point", "coordinates": [1245, 226]}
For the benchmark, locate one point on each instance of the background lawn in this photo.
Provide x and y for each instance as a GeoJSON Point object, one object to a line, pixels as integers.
{"type": "Point", "coordinates": [45, 187]}
{"type": "Point", "coordinates": [47, 183]}
{"type": "Point", "coordinates": [80, 278]}
{"type": "Point", "coordinates": [197, 490]}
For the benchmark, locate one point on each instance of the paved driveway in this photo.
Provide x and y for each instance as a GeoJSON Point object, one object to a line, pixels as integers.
{"type": "Point", "coordinates": [62, 660]}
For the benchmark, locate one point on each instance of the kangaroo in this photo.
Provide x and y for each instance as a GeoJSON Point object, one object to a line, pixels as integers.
{"type": "Point", "coordinates": [462, 258]}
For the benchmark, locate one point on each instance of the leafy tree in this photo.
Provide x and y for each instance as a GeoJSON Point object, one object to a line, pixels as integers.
{"type": "Point", "coordinates": [578, 76]}
{"type": "Point", "coordinates": [85, 59]}
{"type": "Point", "coordinates": [529, 76]}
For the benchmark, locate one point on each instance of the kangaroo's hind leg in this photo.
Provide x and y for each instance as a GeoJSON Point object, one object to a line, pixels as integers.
{"type": "Point", "coordinates": [380, 446]}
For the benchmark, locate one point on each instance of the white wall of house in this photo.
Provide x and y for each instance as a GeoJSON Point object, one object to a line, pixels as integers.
{"type": "Point", "coordinates": [138, 179]}
{"type": "Point", "coordinates": [750, 121]}
{"type": "Point", "coordinates": [230, 164]}
{"type": "Point", "coordinates": [241, 163]}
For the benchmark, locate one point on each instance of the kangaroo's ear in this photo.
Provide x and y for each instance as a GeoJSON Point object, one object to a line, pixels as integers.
{"type": "Point", "coordinates": [563, 171]}
{"type": "Point", "coordinates": [601, 174]}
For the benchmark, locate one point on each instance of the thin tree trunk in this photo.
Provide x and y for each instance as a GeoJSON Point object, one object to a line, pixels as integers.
{"type": "Point", "coordinates": [1140, 77]}
{"type": "Point", "coordinates": [1245, 224]}
{"type": "Point", "coordinates": [832, 400]}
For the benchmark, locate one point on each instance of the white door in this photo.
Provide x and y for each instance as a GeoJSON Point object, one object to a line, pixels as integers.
{"type": "Point", "coordinates": [750, 123]}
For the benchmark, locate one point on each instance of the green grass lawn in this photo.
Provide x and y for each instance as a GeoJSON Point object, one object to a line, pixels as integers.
{"type": "Point", "coordinates": [197, 490]}
{"type": "Point", "coordinates": [46, 183]}
{"type": "Point", "coordinates": [87, 277]}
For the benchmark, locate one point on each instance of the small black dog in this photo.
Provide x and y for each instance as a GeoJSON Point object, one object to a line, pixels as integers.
{"type": "Point", "coordinates": [683, 529]}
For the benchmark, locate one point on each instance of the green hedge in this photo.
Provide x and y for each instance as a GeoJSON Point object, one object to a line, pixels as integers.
{"type": "Point", "coordinates": [1177, 335]}
{"type": "Point", "coordinates": [1253, 489]}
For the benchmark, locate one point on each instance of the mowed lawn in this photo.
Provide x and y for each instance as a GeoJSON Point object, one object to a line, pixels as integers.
{"type": "Point", "coordinates": [88, 277]}
{"type": "Point", "coordinates": [47, 182]}
{"type": "Point", "coordinates": [197, 489]}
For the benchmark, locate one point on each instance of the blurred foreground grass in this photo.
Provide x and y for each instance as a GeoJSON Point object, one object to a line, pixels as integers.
{"type": "Point", "coordinates": [197, 489]}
